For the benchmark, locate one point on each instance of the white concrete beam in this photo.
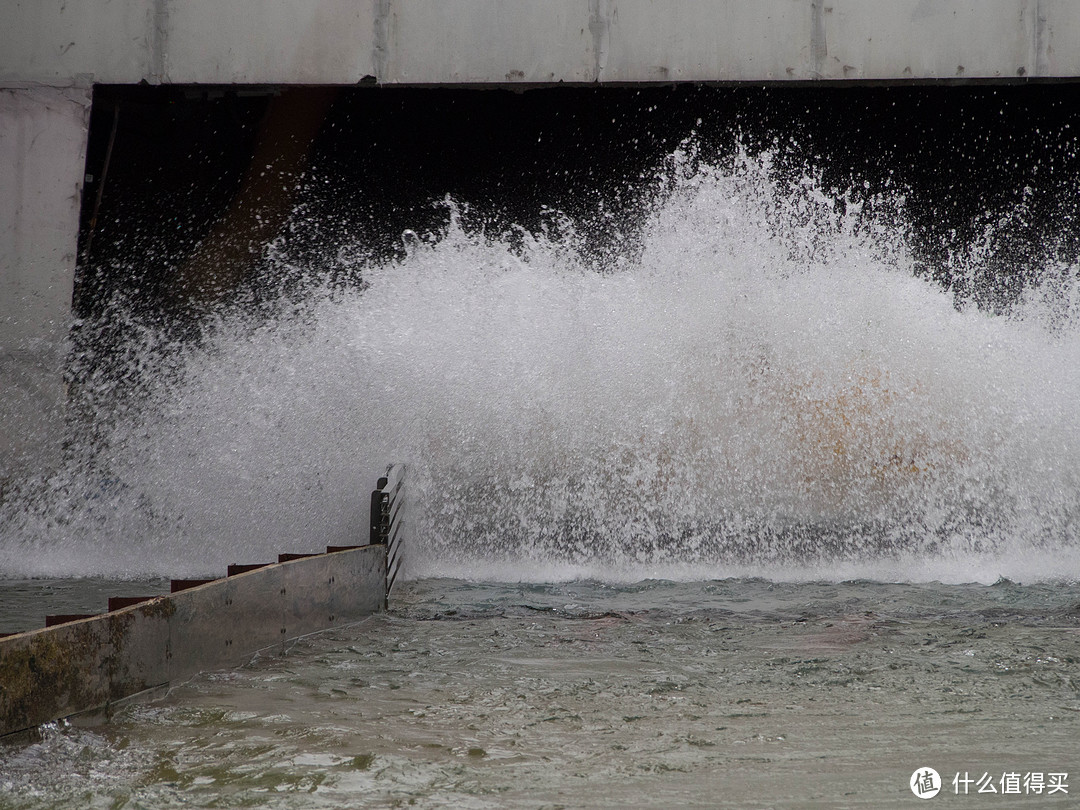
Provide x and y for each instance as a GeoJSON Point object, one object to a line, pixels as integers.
{"type": "Point", "coordinates": [63, 43]}
{"type": "Point", "coordinates": [260, 42]}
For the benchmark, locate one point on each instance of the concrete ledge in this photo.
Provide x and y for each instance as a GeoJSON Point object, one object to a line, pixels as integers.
{"type": "Point", "coordinates": [85, 665]}
{"type": "Point", "coordinates": [58, 43]}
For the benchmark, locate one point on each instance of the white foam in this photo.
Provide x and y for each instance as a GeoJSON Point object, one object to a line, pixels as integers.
{"type": "Point", "coordinates": [759, 386]}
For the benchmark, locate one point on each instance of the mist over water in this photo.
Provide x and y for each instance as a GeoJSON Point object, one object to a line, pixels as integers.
{"type": "Point", "coordinates": [754, 381]}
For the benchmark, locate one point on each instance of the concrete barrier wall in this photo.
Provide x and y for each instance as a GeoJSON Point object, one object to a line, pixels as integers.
{"type": "Point", "coordinates": [62, 43]}
{"type": "Point", "coordinates": [85, 665]}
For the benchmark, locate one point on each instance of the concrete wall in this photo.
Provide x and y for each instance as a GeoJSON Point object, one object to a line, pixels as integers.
{"type": "Point", "coordinates": [89, 664]}
{"type": "Point", "coordinates": [42, 152]}
{"type": "Point", "coordinates": [63, 43]}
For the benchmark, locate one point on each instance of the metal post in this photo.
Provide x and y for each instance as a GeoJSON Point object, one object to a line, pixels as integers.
{"type": "Point", "coordinates": [380, 513]}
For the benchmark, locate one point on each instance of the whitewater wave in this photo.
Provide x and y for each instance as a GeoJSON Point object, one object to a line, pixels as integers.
{"type": "Point", "coordinates": [759, 379]}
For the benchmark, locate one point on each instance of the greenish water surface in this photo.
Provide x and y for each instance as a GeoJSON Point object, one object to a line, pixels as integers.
{"type": "Point", "coordinates": [731, 693]}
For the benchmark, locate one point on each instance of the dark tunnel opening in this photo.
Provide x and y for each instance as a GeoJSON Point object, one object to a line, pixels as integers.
{"type": "Point", "coordinates": [190, 169]}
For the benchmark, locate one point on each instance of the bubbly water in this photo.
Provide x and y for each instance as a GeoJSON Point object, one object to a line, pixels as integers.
{"type": "Point", "coordinates": [734, 693]}
{"type": "Point", "coordinates": [754, 379]}
{"type": "Point", "coordinates": [724, 429]}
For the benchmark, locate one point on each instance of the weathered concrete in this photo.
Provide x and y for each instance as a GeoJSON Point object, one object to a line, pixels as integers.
{"type": "Point", "coordinates": [56, 672]}
{"type": "Point", "coordinates": [42, 152]}
{"type": "Point", "coordinates": [61, 43]}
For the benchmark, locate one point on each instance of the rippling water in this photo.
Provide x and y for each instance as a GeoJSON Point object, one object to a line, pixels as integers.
{"type": "Point", "coordinates": [734, 693]}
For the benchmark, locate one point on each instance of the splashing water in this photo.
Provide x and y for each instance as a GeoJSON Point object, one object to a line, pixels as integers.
{"type": "Point", "coordinates": [761, 385]}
